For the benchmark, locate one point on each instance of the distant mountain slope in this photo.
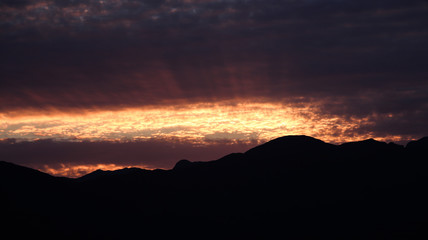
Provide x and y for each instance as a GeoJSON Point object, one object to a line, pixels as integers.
{"type": "Point", "coordinates": [294, 187]}
{"type": "Point", "coordinates": [10, 171]}
{"type": "Point", "coordinates": [18, 181]}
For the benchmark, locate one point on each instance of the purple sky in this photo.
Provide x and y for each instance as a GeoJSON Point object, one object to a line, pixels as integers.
{"type": "Point", "coordinates": [354, 60]}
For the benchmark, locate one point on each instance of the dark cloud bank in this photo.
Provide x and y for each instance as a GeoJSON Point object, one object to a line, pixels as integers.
{"type": "Point", "coordinates": [50, 154]}
{"type": "Point", "coordinates": [354, 58]}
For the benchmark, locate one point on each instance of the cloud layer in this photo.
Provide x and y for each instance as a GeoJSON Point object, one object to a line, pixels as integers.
{"type": "Point", "coordinates": [196, 123]}
{"type": "Point", "coordinates": [353, 59]}
{"type": "Point", "coordinates": [74, 159]}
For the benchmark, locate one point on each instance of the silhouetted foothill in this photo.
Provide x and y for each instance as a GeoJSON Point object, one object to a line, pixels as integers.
{"type": "Point", "coordinates": [182, 164]}
{"type": "Point", "coordinates": [291, 146]}
{"type": "Point", "coordinates": [420, 145]}
{"type": "Point", "coordinates": [290, 150]}
{"type": "Point", "coordinates": [371, 146]}
{"type": "Point", "coordinates": [371, 151]}
{"type": "Point", "coordinates": [19, 178]}
{"type": "Point", "coordinates": [294, 187]}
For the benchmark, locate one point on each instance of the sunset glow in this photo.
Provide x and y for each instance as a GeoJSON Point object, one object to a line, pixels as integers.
{"type": "Point", "coordinates": [211, 74]}
{"type": "Point", "coordinates": [197, 127]}
{"type": "Point", "coordinates": [201, 123]}
{"type": "Point", "coordinates": [74, 171]}
{"type": "Point", "coordinates": [122, 118]}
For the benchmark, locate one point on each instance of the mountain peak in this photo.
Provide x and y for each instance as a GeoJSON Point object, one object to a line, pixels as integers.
{"type": "Point", "coordinates": [420, 142]}
{"type": "Point", "coordinates": [364, 143]}
{"type": "Point", "coordinates": [182, 164]}
{"type": "Point", "coordinates": [291, 141]}
{"type": "Point", "coordinates": [418, 147]}
{"type": "Point", "coordinates": [290, 147]}
{"type": "Point", "coordinates": [296, 138]}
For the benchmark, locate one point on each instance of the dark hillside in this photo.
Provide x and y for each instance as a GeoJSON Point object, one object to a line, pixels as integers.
{"type": "Point", "coordinates": [295, 186]}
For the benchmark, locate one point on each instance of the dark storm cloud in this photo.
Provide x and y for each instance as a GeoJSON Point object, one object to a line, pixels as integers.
{"type": "Point", "coordinates": [14, 3]}
{"type": "Point", "coordinates": [354, 58]}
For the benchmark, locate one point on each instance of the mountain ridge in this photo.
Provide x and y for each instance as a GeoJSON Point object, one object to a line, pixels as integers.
{"type": "Point", "coordinates": [415, 145]}
{"type": "Point", "coordinates": [293, 186]}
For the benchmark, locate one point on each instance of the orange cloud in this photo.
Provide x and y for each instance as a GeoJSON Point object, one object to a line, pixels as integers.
{"type": "Point", "coordinates": [74, 171]}
{"type": "Point", "coordinates": [198, 123]}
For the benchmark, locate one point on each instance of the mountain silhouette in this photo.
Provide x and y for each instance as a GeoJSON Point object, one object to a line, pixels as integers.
{"type": "Point", "coordinates": [295, 187]}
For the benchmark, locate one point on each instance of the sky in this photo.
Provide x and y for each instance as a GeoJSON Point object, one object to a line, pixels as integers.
{"type": "Point", "coordinates": [107, 84]}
